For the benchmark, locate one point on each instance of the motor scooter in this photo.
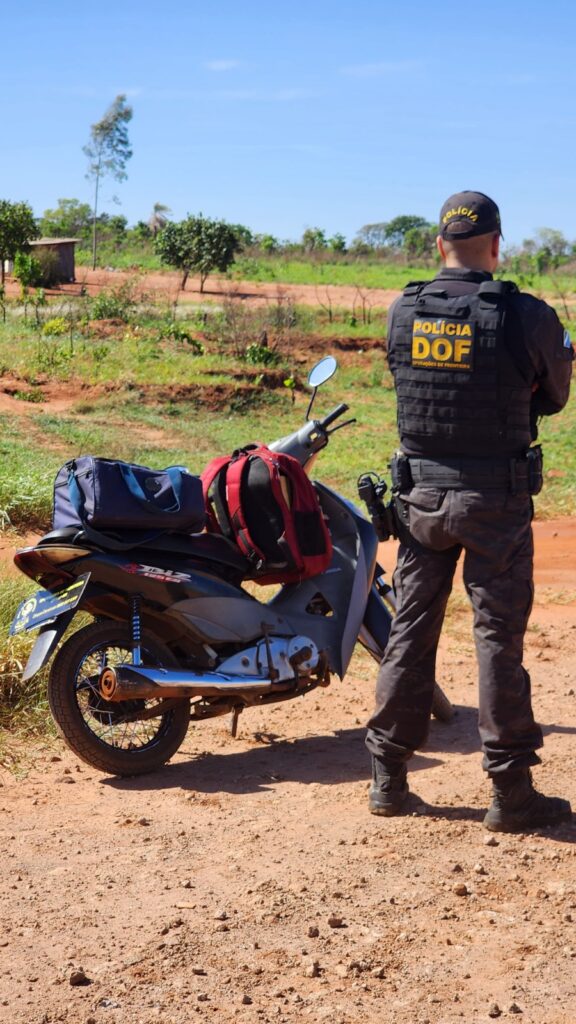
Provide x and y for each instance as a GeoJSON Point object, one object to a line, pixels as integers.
{"type": "Point", "coordinates": [176, 637]}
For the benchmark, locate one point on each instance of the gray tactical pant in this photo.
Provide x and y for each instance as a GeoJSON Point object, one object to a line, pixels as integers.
{"type": "Point", "coordinates": [494, 530]}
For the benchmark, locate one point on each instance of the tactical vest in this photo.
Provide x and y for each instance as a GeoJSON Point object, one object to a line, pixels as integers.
{"type": "Point", "coordinates": [463, 382]}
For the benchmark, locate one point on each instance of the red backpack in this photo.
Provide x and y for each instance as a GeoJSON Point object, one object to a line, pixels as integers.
{"type": "Point", "coordinates": [264, 502]}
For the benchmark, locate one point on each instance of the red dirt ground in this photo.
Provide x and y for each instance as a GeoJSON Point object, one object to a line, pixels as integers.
{"type": "Point", "coordinates": [247, 881]}
{"type": "Point", "coordinates": [166, 285]}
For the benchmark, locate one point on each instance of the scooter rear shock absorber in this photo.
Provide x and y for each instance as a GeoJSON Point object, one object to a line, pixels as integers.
{"type": "Point", "coordinates": [136, 631]}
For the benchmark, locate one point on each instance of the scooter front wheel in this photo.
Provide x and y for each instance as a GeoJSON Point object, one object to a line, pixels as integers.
{"type": "Point", "coordinates": [114, 737]}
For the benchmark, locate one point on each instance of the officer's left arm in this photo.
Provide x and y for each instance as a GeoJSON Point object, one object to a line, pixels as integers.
{"type": "Point", "coordinates": [552, 352]}
{"type": "Point", "coordinates": [390, 336]}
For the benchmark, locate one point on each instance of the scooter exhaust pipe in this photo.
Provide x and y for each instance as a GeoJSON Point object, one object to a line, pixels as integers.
{"type": "Point", "coordinates": [133, 682]}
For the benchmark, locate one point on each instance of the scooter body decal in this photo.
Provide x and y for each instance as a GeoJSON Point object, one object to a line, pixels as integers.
{"type": "Point", "coordinates": [153, 572]}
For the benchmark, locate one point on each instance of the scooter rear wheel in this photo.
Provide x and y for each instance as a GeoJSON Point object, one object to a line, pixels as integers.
{"type": "Point", "coordinates": [109, 735]}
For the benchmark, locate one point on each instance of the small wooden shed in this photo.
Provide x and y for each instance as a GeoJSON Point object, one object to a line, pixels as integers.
{"type": "Point", "coordinates": [64, 250]}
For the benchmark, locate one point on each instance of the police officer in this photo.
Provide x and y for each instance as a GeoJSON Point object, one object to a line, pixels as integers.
{"type": "Point", "coordinates": [475, 364]}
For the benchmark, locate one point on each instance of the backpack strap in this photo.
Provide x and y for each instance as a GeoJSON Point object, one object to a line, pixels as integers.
{"type": "Point", "coordinates": [412, 291]}
{"type": "Point", "coordinates": [214, 488]}
{"type": "Point", "coordinates": [239, 526]}
{"type": "Point", "coordinates": [494, 291]}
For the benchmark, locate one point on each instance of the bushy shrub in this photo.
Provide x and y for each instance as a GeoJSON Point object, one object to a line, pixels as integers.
{"type": "Point", "coordinates": [55, 327]}
{"type": "Point", "coordinates": [261, 355]}
{"type": "Point", "coordinates": [115, 304]}
{"type": "Point", "coordinates": [27, 269]}
{"type": "Point", "coordinates": [174, 331]}
{"type": "Point", "coordinates": [41, 270]}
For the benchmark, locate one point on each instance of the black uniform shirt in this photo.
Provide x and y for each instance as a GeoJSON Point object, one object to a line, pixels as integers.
{"type": "Point", "coordinates": [547, 345]}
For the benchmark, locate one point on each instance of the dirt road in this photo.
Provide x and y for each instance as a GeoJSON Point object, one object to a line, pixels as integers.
{"type": "Point", "coordinates": [166, 286]}
{"type": "Point", "coordinates": [246, 881]}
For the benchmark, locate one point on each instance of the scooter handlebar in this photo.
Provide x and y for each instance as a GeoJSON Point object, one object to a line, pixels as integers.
{"type": "Point", "coordinates": [334, 415]}
{"type": "Point", "coordinates": [311, 438]}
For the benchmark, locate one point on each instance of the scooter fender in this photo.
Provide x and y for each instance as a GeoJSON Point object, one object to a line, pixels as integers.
{"type": "Point", "coordinates": [47, 640]}
{"type": "Point", "coordinates": [376, 625]}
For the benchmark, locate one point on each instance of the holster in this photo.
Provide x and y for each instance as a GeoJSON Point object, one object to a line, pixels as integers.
{"type": "Point", "coordinates": [400, 473]}
{"type": "Point", "coordinates": [384, 520]}
{"type": "Point", "coordinates": [535, 462]}
{"type": "Point", "coordinates": [381, 514]}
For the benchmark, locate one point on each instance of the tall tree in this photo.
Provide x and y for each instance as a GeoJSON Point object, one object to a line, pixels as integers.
{"type": "Point", "coordinates": [314, 239]}
{"type": "Point", "coordinates": [372, 235]}
{"type": "Point", "coordinates": [17, 228]}
{"type": "Point", "coordinates": [108, 152]}
{"type": "Point", "coordinates": [395, 230]}
{"type": "Point", "coordinates": [158, 219]}
{"type": "Point", "coordinates": [389, 233]}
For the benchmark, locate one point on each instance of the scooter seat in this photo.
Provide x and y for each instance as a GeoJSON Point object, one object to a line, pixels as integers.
{"type": "Point", "coordinates": [67, 535]}
{"type": "Point", "coordinates": [209, 547]}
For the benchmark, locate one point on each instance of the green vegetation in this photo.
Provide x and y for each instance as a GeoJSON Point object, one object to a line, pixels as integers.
{"type": "Point", "coordinates": [160, 385]}
{"type": "Point", "coordinates": [25, 704]}
{"type": "Point", "coordinates": [382, 254]}
{"type": "Point", "coordinates": [361, 272]}
{"type": "Point", "coordinates": [198, 245]}
{"type": "Point", "coordinates": [17, 228]}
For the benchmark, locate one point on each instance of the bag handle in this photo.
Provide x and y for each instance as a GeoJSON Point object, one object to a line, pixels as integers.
{"type": "Point", "coordinates": [175, 475]}
{"type": "Point", "coordinates": [74, 492]}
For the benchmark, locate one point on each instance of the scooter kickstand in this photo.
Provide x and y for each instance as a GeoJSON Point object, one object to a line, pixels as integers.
{"type": "Point", "coordinates": [234, 720]}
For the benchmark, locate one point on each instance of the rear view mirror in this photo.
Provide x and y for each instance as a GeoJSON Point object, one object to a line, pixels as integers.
{"type": "Point", "coordinates": [322, 372]}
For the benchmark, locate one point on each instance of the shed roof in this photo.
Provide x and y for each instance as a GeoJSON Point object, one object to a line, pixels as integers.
{"type": "Point", "coordinates": [54, 241]}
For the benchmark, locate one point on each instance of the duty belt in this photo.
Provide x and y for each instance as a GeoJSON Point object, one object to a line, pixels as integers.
{"type": "Point", "coordinates": [471, 474]}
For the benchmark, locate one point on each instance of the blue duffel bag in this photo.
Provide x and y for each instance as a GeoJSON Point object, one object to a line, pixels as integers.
{"type": "Point", "coordinates": [105, 494]}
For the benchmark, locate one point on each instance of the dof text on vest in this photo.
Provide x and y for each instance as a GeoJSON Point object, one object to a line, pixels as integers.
{"type": "Point", "coordinates": [463, 380]}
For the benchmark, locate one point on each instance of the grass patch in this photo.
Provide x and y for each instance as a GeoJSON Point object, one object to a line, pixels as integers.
{"type": "Point", "coordinates": [23, 705]}
{"type": "Point", "coordinates": [353, 273]}
{"type": "Point", "coordinates": [26, 479]}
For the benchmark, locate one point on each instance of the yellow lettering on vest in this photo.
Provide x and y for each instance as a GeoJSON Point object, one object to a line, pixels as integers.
{"type": "Point", "coordinates": [461, 349]}
{"type": "Point", "coordinates": [426, 327]}
{"type": "Point", "coordinates": [466, 331]}
{"type": "Point", "coordinates": [420, 348]}
{"type": "Point", "coordinates": [441, 349]}
{"type": "Point", "coordinates": [417, 325]}
{"type": "Point", "coordinates": [451, 329]}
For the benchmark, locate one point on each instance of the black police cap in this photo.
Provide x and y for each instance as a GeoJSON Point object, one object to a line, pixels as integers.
{"type": "Point", "coordinates": [466, 214]}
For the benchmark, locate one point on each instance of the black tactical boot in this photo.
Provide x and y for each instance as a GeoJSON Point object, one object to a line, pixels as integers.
{"type": "Point", "coordinates": [518, 807]}
{"type": "Point", "coordinates": [389, 788]}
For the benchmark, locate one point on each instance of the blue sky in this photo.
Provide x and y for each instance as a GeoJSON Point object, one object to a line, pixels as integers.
{"type": "Point", "coordinates": [286, 116]}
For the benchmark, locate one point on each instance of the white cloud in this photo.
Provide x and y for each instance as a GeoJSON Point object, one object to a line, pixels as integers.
{"type": "Point", "coordinates": [221, 65]}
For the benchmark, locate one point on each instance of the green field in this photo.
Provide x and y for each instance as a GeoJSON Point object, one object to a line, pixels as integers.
{"type": "Point", "coordinates": [153, 390]}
